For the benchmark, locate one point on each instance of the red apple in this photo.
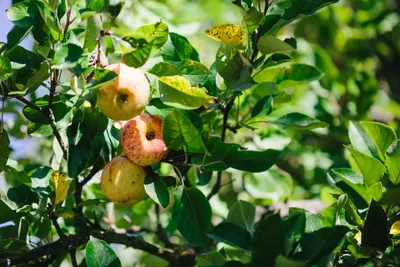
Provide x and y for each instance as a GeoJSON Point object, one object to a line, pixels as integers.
{"type": "Point", "coordinates": [142, 140]}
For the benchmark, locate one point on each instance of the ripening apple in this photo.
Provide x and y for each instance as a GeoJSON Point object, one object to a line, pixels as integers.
{"type": "Point", "coordinates": [142, 140]}
{"type": "Point", "coordinates": [122, 181]}
{"type": "Point", "coordinates": [126, 95]}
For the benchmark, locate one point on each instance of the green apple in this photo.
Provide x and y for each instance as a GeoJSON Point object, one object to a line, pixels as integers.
{"type": "Point", "coordinates": [122, 181]}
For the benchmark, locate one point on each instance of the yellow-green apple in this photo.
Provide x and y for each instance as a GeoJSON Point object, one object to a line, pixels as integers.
{"type": "Point", "coordinates": [126, 95]}
{"type": "Point", "coordinates": [122, 181]}
{"type": "Point", "coordinates": [142, 140]}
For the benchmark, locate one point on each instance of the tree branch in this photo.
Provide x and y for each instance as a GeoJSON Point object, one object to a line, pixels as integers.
{"type": "Point", "coordinates": [225, 111]}
{"type": "Point", "coordinates": [174, 258]}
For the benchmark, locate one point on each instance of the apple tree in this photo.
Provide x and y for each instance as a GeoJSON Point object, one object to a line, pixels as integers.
{"type": "Point", "coordinates": [137, 140]}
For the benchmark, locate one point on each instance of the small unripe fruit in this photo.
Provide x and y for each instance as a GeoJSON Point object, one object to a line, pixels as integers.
{"type": "Point", "coordinates": [142, 140]}
{"type": "Point", "coordinates": [125, 96]}
{"type": "Point", "coordinates": [122, 181]}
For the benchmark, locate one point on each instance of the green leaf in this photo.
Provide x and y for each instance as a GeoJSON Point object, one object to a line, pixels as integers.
{"type": "Point", "coordinates": [67, 56]}
{"type": "Point", "coordinates": [229, 65]}
{"type": "Point", "coordinates": [41, 180]}
{"type": "Point", "coordinates": [268, 44]}
{"type": "Point", "coordinates": [8, 208]}
{"type": "Point", "coordinates": [101, 77]}
{"type": "Point", "coordinates": [231, 234]}
{"type": "Point", "coordinates": [269, 187]}
{"type": "Point", "coordinates": [287, 11]}
{"type": "Point", "coordinates": [193, 218]}
{"type": "Point", "coordinates": [157, 33]}
{"type": "Point", "coordinates": [288, 75]}
{"type": "Point", "coordinates": [33, 82]}
{"type": "Point", "coordinates": [22, 195]}
{"type": "Point", "coordinates": [268, 241]}
{"type": "Point", "coordinates": [21, 14]}
{"type": "Point", "coordinates": [371, 168]}
{"type": "Point", "coordinates": [49, 20]}
{"type": "Point", "coordinates": [276, 59]}
{"type": "Point", "coordinates": [194, 71]}
{"type": "Point", "coordinates": [179, 49]}
{"type": "Point", "coordinates": [360, 140]}
{"type": "Point", "coordinates": [382, 136]}
{"type": "Point", "coordinates": [179, 132]}
{"type": "Point", "coordinates": [252, 18]}
{"type": "Point", "coordinates": [59, 107]}
{"type": "Point", "coordinates": [24, 59]}
{"type": "Point", "coordinates": [98, 5]}
{"type": "Point", "coordinates": [92, 31]}
{"type": "Point", "coordinates": [282, 261]}
{"type": "Point", "coordinates": [4, 149]}
{"type": "Point", "coordinates": [5, 68]}
{"type": "Point", "coordinates": [263, 107]}
{"type": "Point", "coordinates": [392, 162]}
{"type": "Point", "coordinates": [252, 161]}
{"type": "Point", "coordinates": [176, 91]}
{"type": "Point", "coordinates": [375, 232]}
{"type": "Point", "coordinates": [16, 36]}
{"type": "Point", "coordinates": [157, 189]}
{"type": "Point", "coordinates": [165, 69]}
{"type": "Point", "coordinates": [138, 57]}
{"type": "Point", "coordinates": [299, 121]}
{"type": "Point", "coordinates": [319, 244]}
{"type": "Point", "coordinates": [243, 213]}
{"type": "Point", "coordinates": [294, 9]}
{"type": "Point", "coordinates": [41, 227]}
{"type": "Point", "coordinates": [294, 227]}
{"type": "Point", "coordinates": [157, 108]}
{"type": "Point", "coordinates": [376, 191]}
{"type": "Point", "coordinates": [352, 183]}
{"type": "Point", "coordinates": [100, 254]}
{"type": "Point", "coordinates": [213, 258]}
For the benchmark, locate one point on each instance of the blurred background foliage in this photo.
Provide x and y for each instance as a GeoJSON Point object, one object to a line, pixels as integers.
{"type": "Point", "coordinates": [355, 43]}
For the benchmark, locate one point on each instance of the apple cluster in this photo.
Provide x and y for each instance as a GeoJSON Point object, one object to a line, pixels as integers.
{"type": "Point", "coordinates": [124, 98]}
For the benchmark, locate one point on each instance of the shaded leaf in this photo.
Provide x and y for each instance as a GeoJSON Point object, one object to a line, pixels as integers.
{"type": "Point", "coordinates": [268, 44]}
{"type": "Point", "coordinates": [100, 254]}
{"type": "Point", "coordinates": [231, 234]}
{"type": "Point", "coordinates": [193, 218]}
{"type": "Point", "coordinates": [242, 213]}
{"type": "Point", "coordinates": [157, 189]}
{"type": "Point", "coordinates": [288, 75]}
{"type": "Point", "coordinates": [299, 121]}
{"type": "Point", "coordinates": [268, 241]}
{"type": "Point", "coordinates": [392, 162]}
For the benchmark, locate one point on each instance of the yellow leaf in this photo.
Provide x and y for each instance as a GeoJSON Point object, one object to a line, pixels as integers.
{"type": "Point", "coordinates": [61, 185]}
{"type": "Point", "coordinates": [358, 237]}
{"type": "Point", "coordinates": [66, 215]}
{"type": "Point", "coordinates": [229, 34]}
{"type": "Point", "coordinates": [395, 229]}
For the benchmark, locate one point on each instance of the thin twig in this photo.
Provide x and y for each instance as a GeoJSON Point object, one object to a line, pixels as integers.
{"type": "Point", "coordinates": [72, 253]}
{"type": "Point", "coordinates": [57, 226]}
{"type": "Point", "coordinates": [226, 111]}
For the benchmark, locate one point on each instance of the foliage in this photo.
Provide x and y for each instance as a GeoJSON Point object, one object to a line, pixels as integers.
{"type": "Point", "coordinates": [257, 123]}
